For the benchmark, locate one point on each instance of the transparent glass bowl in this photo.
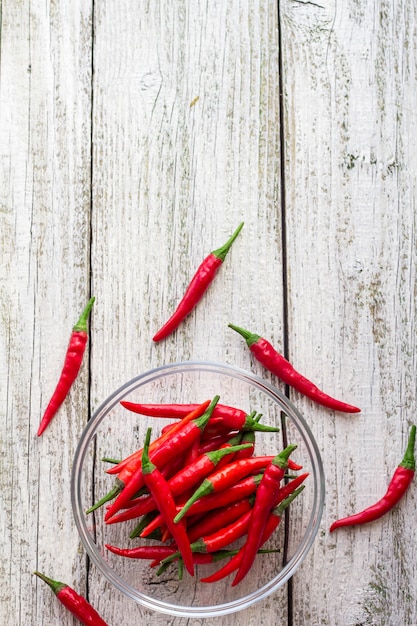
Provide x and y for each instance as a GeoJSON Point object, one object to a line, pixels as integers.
{"type": "Point", "coordinates": [114, 431]}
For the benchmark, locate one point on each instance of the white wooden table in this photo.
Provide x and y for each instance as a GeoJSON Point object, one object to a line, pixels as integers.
{"type": "Point", "coordinates": [134, 137]}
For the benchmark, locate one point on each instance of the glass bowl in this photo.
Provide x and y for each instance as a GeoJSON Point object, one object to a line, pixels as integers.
{"type": "Point", "coordinates": [113, 431]}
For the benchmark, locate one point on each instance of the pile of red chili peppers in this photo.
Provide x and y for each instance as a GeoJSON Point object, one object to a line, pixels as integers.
{"type": "Point", "coordinates": [199, 487]}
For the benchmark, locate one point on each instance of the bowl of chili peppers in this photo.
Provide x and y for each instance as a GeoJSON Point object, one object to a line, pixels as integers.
{"type": "Point", "coordinates": [197, 489]}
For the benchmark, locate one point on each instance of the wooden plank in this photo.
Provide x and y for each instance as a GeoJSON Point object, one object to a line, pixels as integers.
{"type": "Point", "coordinates": [44, 224]}
{"type": "Point", "coordinates": [349, 73]}
{"type": "Point", "coordinates": [173, 176]}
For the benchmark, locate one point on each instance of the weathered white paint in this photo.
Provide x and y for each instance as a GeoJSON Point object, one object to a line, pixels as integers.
{"type": "Point", "coordinates": [349, 75]}
{"type": "Point", "coordinates": [134, 137]}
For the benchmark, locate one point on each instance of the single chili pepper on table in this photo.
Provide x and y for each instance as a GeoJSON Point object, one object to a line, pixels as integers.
{"type": "Point", "coordinates": [397, 488]}
{"type": "Point", "coordinates": [199, 284]}
{"type": "Point", "coordinates": [164, 499]}
{"type": "Point", "coordinates": [273, 361]}
{"type": "Point", "coordinates": [184, 479]}
{"type": "Point", "coordinates": [75, 603]}
{"type": "Point", "coordinates": [272, 523]}
{"type": "Point", "coordinates": [227, 476]}
{"type": "Point", "coordinates": [71, 367]}
{"type": "Point", "coordinates": [265, 498]}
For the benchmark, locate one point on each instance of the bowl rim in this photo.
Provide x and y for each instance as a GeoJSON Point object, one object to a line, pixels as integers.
{"type": "Point", "coordinates": [316, 472]}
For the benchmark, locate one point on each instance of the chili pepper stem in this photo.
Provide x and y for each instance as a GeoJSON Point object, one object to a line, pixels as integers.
{"type": "Point", "coordinates": [55, 585]}
{"type": "Point", "coordinates": [408, 461]}
{"type": "Point", "coordinates": [248, 336]}
{"type": "Point", "coordinates": [82, 324]}
{"type": "Point", "coordinates": [263, 428]}
{"type": "Point", "coordinates": [114, 491]}
{"type": "Point", "coordinates": [221, 252]}
{"type": "Point", "coordinates": [196, 496]}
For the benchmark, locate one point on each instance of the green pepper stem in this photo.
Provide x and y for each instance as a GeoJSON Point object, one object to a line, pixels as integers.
{"type": "Point", "coordinates": [281, 460]}
{"type": "Point", "coordinates": [205, 488]}
{"type": "Point", "coordinates": [409, 461]}
{"type": "Point", "coordinates": [147, 465]}
{"type": "Point", "coordinates": [82, 324]}
{"type": "Point", "coordinates": [114, 491]}
{"type": "Point", "coordinates": [250, 338]}
{"type": "Point", "coordinates": [216, 455]}
{"type": "Point", "coordinates": [253, 424]}
{"type": "Point", "coordinates": [202, 421]}
{"type": "Point", "coordinates": [221, 252]}
{"type": "Point", "coordinates": [55, 585]}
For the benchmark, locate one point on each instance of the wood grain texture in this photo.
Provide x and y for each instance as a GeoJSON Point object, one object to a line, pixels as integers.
{"type": "Point", "coordinates": [44, 221]}
{"type": "Point", "coordinates": [134, 138]}
{"type": "Point", "coordinates": [352, 291]}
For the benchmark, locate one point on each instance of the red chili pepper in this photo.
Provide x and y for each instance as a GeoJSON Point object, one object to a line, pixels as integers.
{"type": "Point", "coordinates": [183, 480]}
{"type": "Point", "coordinates": [75, 603]}
{"type": "Point", "coordinates": [273, 361]}
{"type": "Point", "coordinates": [71, 367]}
{"type": "Point", "coordinates": [272, 523]}
{"type": "Point", "coordinates": [397, 487]}
{"type": "Point", "coordinates": [144, 552]}
{"type": "Point", "coordinates": [164, 499]}
{"type": "Point", "coordinates": [160, 410]}
{"type": "Point", "coordinates": [174, 445]}
{"type": "Point", "coordinates": [199, 284]}
{"type": "Point", "coordinates": [242, 489]}
{"type": "Point", "coordinates": [224, 415]}
{"type": "Point", "coordinates": [265, 498]}
{"type": "Point", "coordinates": [192, 453]}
